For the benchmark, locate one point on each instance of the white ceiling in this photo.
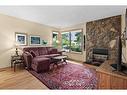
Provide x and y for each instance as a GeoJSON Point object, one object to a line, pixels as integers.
{"type": "Point", "coordinates": [61, 16]}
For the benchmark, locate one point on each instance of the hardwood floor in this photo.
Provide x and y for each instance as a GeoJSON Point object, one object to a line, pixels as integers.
{"type": "Point", "coordinates": [21, 79]}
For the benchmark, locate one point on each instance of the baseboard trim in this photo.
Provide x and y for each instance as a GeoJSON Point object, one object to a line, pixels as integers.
{"type": "Point", "coordinates": [4, 69]}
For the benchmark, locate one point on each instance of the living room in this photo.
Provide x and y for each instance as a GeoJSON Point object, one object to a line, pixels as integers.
{"type": "Point", "coordinates": [53, 47]}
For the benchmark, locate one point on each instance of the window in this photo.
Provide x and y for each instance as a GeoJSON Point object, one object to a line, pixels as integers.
{"type": "Point", "coordinates": [72, 41]}
{"type": "Point", "coordinates": [76, 41]}
{"type": "Point", "coordinates": [66, 41]}
{"type": "Point", "coordinates": [55, 39]}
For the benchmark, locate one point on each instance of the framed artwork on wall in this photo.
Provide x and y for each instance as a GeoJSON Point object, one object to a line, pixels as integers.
{"type": "Point", "coordinates": [35, 40]}
{"type": "Point", "coordinates": [21, 38]}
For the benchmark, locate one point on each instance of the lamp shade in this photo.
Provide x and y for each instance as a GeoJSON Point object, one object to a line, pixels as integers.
{"type": "Point", "coordinates": [16, 44]}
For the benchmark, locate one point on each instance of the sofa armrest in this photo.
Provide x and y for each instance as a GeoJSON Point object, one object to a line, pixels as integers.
{"type": "Point", "coordinates": [59, 52]}
{"type": "Point", "coordinates": [27, 59]}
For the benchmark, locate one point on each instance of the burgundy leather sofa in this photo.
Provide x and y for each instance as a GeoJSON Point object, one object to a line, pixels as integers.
{"type": "Point", "coordinates": [39, 58]}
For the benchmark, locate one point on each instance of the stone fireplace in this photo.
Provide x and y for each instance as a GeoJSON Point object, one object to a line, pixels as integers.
{"type": "Point", "coordinates": [100, 34]}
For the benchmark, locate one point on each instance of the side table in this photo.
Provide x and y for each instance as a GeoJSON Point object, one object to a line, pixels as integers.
{"type": "Point", "coordinates": [16, 59]}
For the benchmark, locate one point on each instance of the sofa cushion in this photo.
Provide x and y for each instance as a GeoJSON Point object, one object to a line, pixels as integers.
{"type": "Point", "coordinates": [48, 49]}
{"type": "Point", "coordinates": [42, 50]}
{"type": "Point", "coordinates": [51, 55]}
{"type": "Point", "coordinates": [52, 51]}
{"type": "Point", "coordinates": [41, 56]}
{"type": "Point", "coordinates": [41, 64]}
{"type": "Point", "coordinates": [40, 60]}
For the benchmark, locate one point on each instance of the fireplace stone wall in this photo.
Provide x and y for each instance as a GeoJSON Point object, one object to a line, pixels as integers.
{"type": "Point", "coordinates": [100, 33]}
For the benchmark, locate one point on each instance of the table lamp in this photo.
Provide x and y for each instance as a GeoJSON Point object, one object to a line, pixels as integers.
{"type": "Point", "coordinates": [16, 48]}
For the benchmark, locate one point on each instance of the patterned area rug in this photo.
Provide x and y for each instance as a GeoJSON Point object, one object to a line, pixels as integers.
{"type": "Point", "coordinates": [70, 76]}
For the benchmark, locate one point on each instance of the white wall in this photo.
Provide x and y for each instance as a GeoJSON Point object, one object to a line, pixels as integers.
{"type": "Point", "coordinates": [9, 25]}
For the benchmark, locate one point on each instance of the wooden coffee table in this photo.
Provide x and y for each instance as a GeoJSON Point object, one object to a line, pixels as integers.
{"type": "Point", "coordinates": [59, 59]}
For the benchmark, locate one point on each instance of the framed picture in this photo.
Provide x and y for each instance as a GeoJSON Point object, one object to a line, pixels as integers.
{"type": "Point", "coordinates": [20, 38]}
{"type": "Point", "coordinates": [35, 40]}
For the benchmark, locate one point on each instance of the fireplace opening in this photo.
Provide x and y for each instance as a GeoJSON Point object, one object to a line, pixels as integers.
{"type": "Point", "coordinates": [99, 55]}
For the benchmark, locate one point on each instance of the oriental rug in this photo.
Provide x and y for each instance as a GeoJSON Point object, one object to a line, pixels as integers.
{"type": "Point", "coordinates": [68, 76]}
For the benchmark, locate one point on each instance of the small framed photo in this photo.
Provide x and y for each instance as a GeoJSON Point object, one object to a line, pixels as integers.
{"type": "Point", "coordinates": [35, 40]}
{"type": "Point", "coordinates": [21, 38]}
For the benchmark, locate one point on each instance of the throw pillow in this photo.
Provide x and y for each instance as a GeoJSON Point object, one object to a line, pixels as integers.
{"type": "Point", "coordinates": [29, 53]}
{"type": "Point", "coordinates": [53, 51]}
{"type": "Point", "coordinates": [33, 54]}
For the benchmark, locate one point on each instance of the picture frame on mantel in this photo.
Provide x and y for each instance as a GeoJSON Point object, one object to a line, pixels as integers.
{"type": "Point", "coordinates": [35, 40]}
{"type": "Point", "coordinates": [21, 38]}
